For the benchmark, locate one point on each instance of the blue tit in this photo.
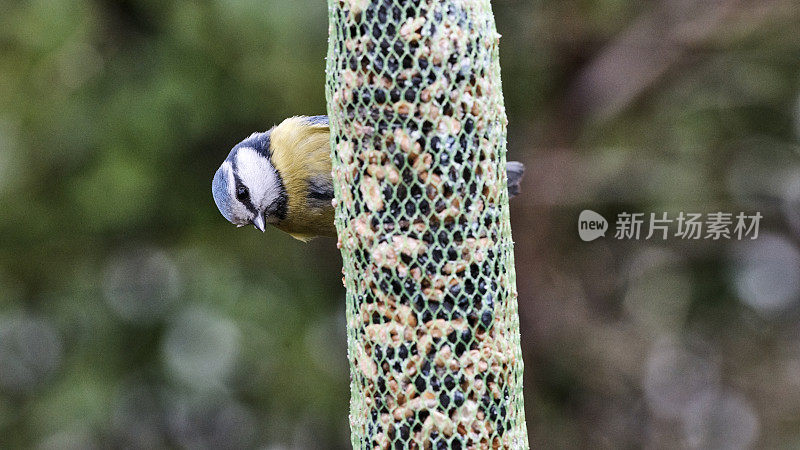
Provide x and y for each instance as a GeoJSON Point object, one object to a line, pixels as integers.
{"type": "Point", "coordinates": [283, 177]}
{"type": "Point", "coordinates": [280, 177]}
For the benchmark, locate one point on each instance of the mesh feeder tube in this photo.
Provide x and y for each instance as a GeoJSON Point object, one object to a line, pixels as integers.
{"type": "Point", "coordinates": [418, 135]}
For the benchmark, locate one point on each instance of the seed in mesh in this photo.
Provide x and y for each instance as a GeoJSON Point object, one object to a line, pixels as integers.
{"type": "Point", "coordinates": [423, 224]}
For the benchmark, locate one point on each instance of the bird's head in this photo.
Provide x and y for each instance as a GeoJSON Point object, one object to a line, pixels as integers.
{"type": "Point", "coordinates": [247, 189]}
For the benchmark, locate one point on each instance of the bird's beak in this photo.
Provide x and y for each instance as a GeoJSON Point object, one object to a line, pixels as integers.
{"type": "Point", "coordinates": [259, 223]}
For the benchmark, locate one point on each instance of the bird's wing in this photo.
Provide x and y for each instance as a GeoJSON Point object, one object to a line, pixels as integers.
{"type": "Point", "coordinates": [318, 120]}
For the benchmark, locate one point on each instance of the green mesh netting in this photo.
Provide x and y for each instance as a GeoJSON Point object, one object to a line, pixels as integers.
{"type": "Point", "coordinates": [418, 142]}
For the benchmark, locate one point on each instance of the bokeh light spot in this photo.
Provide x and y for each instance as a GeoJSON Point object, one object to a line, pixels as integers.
{"type": "Point", "coordinates": [767, 274]}
{"type": "Point", "coordinates": [674, 376]}
{"type": "Point", "coordinates": [30, 351]}
{"type": "Point", "coordinates": [201, 349]}
{"type": "Point", "coordinates": [141, 286]}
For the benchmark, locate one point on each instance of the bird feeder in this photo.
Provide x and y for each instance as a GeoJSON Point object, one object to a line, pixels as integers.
{"type": "Point", "coordinates": [418, 136]}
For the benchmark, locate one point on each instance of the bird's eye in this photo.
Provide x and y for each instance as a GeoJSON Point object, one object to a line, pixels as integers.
{"type": "Point", "coordinates": [242, 193]}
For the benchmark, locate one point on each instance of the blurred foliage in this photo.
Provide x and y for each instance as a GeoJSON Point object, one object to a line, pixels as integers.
{"type": "Point", "coordinates": [133, 315]}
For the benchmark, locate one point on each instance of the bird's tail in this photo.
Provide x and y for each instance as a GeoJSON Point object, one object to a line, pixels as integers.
{"type": "Point", "coordinates": [514, 170]}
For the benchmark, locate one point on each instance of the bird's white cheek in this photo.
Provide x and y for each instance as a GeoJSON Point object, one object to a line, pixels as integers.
{"type": "Point", "coordinates": [258, 175]}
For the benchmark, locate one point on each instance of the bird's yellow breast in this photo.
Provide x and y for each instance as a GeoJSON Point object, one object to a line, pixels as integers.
{"type": "Point", "coordinates": [300, 152]}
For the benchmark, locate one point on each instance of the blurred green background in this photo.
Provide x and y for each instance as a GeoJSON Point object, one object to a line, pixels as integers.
{"type": "Point", "coordinates": [132, 315]}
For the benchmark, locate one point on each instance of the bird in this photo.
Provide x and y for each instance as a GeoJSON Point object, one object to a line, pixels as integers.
{"type": "Point", "coordinates": [282, 177]}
